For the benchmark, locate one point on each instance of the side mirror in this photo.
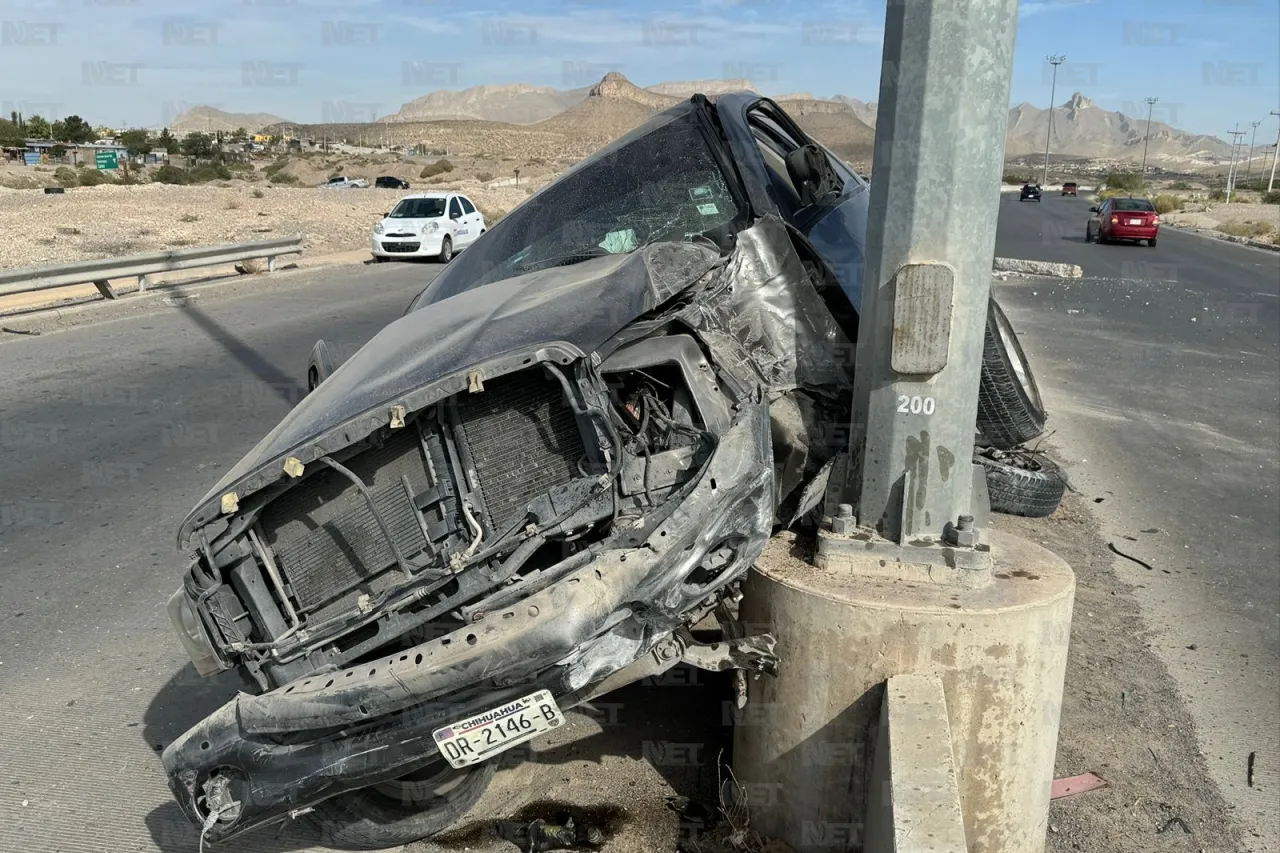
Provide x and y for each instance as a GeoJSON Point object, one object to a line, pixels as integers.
{"type": "Point", "coordinates": [1093, 209]}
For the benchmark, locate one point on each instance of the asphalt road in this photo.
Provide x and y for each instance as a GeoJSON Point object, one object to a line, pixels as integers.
{"type": "Point", "coordinates": [1161, 373]}
{"type": "Point", "coordinates": [109, 432]}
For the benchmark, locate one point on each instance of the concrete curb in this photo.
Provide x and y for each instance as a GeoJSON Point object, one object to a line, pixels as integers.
{"type": "Point", "coordinates": [1047, 268]}
{"type": "Point", "coordinates": [1225, 238]}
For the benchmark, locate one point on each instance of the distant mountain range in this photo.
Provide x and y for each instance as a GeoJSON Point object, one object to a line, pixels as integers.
{"type": "Point", "coordinates": [1080, 127]}
{"type": "Point", "coordinates": [211, 120]}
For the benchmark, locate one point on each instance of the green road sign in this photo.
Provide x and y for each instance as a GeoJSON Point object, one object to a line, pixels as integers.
{"type": "Point", "coordinates": [106, 160]}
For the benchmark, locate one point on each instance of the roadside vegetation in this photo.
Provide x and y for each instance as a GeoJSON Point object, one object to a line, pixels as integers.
{"type": "Point", "coordinates": [1251, 228]}
{"type": "Point", "coordinates": [439, 167]}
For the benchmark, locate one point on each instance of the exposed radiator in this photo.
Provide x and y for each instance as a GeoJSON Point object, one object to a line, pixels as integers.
{"type": "Point", "coordinates": [324, 535]}
{"type": "Point", "coordinates": [523, 439]}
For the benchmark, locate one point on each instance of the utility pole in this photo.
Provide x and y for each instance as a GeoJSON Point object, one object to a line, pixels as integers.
{"type": "Point", "coordinates": [1151, 102]}
{"type": "Point", "coordinates": [1275, 154]}
{"type": "Point", "coordinates": [1055, 61]}
{"type": "Point", "coordinates": [1253, 143]}
{"type": "Point", "coordinates": [1235, 141]}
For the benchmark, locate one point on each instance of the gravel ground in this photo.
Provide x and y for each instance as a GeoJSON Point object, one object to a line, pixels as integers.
{"type": "Point", "coordinates": [109, 221]}
{"type": "Point", "coordinates": [1226, 214]}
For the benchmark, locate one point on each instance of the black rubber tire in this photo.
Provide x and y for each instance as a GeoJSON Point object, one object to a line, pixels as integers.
{"type": "Point", "coordinates": [1010, 411]}
{"type": "Point", "coordinates": [371, 820]}
{"type": "Point", "coordinates": [446, 251]}
{"type": "Point", "coordinates": [1151, 244]}
{"type": "Point", "coordinates": [1090, 234]}
{"type": "Point", "coordinates": [1033, 488]}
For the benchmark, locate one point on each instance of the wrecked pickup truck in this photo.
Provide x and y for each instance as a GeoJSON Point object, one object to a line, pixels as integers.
{"type": "Point", "coordinates": [525, 491]}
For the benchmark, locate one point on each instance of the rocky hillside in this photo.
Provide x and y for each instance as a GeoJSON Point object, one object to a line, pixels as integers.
{"type": "Point", "coordinates": [1081, 128]}
{"type": "Point", "coordinates": [515, 104]}
{"type": "Point", "coordinates": [864, 110]}
{"type": "Point", "coordinates": [689, 88]}
{"type": "Point", "coordinates": [211, 119]}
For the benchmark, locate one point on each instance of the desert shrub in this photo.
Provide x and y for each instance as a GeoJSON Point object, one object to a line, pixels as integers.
{"type": "Point", "coordinates": [189, 217]}
{"type": "Point", "coordinates": [272, 170]}
{"type": "Point", "coordinates": [1250, 228]}
{"type": "Point", "coordinates": [258, 193]}
{"type": "Point", "coordinates": [238, 166]}
{"type": "Point", "coordinates": [1130, 181]}
{"type": "Point", "coordinates": [490, 215]}
{"type": "Point", "coordinates": [1180, 185]}
{"type": "Point", "coordinates": [1272, 197]}
{"type": "Point", "coordinates": [232, 204]}
{"type": "Point", "coordinates": [66, 176]}
{"type": "Point", "coordinates": [439, 167]}
{"type": "Point", "coordinates": [1217, 195]}
{"type": "Point", "coordinates": [1012, 180]}
{"type": "Point", "coordinates": [167, 174]}
{"type": "Point", "coordinates": [94, 177]}
{"type": "Point", "coordinates": [1167, 203]}
{"type": "Point", "coordinates": [206, 172]}
{"type": "Point", "coordinates": [484, 177]}
{"type": "Point", "coordinates": [285, 179]}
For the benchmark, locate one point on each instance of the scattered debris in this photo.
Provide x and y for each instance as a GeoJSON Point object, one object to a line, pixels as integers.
{"type": "Point", "coordinates": [1124, 698]}
{"type": "Point", "coordinates": [1072, 785]}
{"type": "Point", "coordinates": [18, 331]}
{"type": "Point", "coordinates": [1193, 647]}
{"type": "Point", "coordinates": [539, 836]}
{"type": "Point", "coordinates": [1253, 757]}
{"type": "Point", "coordinates": [1144, 564]}
{"type": "Point", "coordinates": [1170, 823]}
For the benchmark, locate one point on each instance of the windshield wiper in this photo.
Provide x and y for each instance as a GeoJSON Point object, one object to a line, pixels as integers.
{"type": "Point", "coordinates": [564, 260]}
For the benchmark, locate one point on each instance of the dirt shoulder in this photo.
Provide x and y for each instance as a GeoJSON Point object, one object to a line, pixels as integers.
{"type": "Point", "coordinates": [1255, 221]}
{"type": "Point", "coordinates": [110, 221]}
{"type": "Point", "coordinates": [1122, 716]}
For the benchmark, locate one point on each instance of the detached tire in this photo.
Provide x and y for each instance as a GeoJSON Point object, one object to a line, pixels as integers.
{"type": "Point", "coordinates": [402, 811]}
{"type": "Point", "coordinates": [1028, 484]}
{"type": "Point", "coordinates": [1010, 411]}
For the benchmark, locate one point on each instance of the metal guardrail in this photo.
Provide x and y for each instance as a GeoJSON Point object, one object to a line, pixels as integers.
{"type": "Point", "coordinates": [101, 271]}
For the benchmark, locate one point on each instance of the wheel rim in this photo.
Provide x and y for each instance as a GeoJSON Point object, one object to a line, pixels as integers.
{"type": "Point", "coordinates": [1015, 357]}
{"type": "Point", "coordinates": [446, 251]}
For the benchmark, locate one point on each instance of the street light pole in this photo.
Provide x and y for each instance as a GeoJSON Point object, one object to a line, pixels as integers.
{"type": "Point", "coordinates": [1151, 102]}
{"type": "Point", "coordinates": [1231, 170]}
{"type": "Point", "coordinates": [1253, 142]}
{"type": "Point", "coordinates": [1055, 61]}
{"type": "Point", "coordinates": [1275, 154]}
{"type": "Point", "coordinates": [927, 277]}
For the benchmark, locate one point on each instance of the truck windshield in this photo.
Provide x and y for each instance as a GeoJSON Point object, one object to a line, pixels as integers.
{"type": "Point", "coordinates": [662, 183]}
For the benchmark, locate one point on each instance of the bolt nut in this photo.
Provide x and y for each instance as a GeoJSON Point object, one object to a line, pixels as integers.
{"type": "Point", "coordinates": [844, 511]}
{"type": "Point", "coordinates": [966, 522]}
{"type": "Point", "coordinates": [844, 526]}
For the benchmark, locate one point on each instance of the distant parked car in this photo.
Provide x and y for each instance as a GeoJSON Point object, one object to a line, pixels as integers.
{"type": "Point", "coordinates": [1070, 188]}
{"type": "Point", "coordinates": [1029, 191]}
{"type": "Point", "coordinates": [427, 225]}
{"type": "Point", "coordinates": [391, 182]}
{"type": "Point", "coordinates": [340, 183]}
{"type": "Point", "coordinates": [1123, 219]}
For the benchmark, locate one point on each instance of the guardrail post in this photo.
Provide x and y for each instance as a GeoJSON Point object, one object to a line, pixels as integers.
{"type": "Point", "coordinates": [105, 288]}
{"type": "Point", "coordinates": [916, 585]}
{"type": "Point", "coordinates": [271, 263]}
{"type": "Point", "coordinates": [142, 284]}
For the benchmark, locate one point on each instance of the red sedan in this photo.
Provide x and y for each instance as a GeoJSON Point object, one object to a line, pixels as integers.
{"type": "Point", "coordinates": [1123, 219]}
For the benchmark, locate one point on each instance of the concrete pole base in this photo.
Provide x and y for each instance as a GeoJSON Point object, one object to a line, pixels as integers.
{"type": "Point", "coordinates": [804, 741]}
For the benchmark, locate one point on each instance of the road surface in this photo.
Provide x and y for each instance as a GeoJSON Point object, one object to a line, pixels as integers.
{"type": "Point", "coordinates": [1161, 373]}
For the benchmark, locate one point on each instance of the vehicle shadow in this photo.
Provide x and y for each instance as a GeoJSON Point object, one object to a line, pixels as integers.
{"type": "Point", "coordinates": [680, 724]}
{"type": "Point", "coordinates": [184, 700]}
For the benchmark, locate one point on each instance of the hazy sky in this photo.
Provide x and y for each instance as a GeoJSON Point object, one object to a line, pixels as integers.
{"type": "Point", "coordinates": [1212, 63]}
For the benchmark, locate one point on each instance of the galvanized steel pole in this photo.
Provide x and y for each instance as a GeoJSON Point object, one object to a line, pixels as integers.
{"type": "Point", "coordinates": [1275, 155]}
{"type": "Point", "coordinates": [1055, 61]}
{"type": "Point", "coordinates": [939, 152]}
{"type": "Point", "coordinates": [1151, 102]}
{"type": "Point", "coordinates": [1253, 143]}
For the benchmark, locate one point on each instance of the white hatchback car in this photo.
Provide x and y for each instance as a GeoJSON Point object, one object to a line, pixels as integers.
{"type": "Point", "coordinates": [427, 225]}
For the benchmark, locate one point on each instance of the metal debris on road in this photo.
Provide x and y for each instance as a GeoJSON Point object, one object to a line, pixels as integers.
{"type": "Point", "coordinates": [539, 836]}
{"type": "Point", "coordinates": [1253, 757]}
{"type": "Point", "coordinates": [1143, 563]}
{"type": "Point", "coordinates": [1171, 822]}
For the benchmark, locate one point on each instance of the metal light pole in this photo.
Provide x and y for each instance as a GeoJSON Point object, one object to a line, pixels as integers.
{"type": "Point", "coordinates": [1231, 170]}
{"type": "Point", "coordinates": [1055, 61]}
{"type": "Point", "coordinates": [1275, 154]}
{"type": "Point", "coordinates": [1253, 142]}
{"type": "Point", "coordinates": [1151, 102]}
{"type": "Point", "coordinates": [928, 275]}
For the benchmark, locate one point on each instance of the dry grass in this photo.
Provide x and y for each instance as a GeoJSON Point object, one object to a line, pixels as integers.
{"type": "Point", "coordinates": [232, 204]}
{"type": "Point", "coordinates": [1253, 228]}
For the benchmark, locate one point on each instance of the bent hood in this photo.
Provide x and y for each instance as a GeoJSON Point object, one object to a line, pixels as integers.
{"type": "Point", "coordinates": [575, 308]}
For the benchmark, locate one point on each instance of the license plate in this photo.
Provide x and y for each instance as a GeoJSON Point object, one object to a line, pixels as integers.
{"type": "Point", "coordinates": [483, 736]}
{"type": "Point", "coordinates": [1135, 221]}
